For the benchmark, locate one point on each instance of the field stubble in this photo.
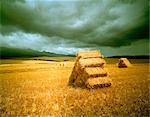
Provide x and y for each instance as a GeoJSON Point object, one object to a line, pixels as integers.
{"type": "Point", "coordinates": [40, 88]}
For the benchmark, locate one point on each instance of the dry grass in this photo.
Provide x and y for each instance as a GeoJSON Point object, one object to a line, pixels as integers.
{"type": "Point", "coordinates": [40, 88]}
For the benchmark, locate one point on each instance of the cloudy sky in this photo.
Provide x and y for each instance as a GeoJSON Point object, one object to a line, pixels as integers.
{"type": "Point", "coordinates": [115, 27]}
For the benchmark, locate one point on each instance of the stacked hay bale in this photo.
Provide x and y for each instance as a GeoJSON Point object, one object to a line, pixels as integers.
{"type": "Point", "coordinates": [124, 63]}
{"type": "Point", "coordinates": [89, 70]}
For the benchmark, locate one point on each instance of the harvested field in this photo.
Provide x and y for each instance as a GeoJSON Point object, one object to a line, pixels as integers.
{"type": "Point", "coordinates": [35, 87]}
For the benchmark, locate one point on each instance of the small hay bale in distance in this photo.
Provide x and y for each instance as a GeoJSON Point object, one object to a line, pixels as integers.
{"type": "Point", "coordinates": [124, 63]}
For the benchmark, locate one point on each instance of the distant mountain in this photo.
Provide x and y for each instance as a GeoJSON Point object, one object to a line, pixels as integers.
{"type": "Point", "coordinates": [132, 57]}
{"type": "Point", "coordinates": [15, 52]}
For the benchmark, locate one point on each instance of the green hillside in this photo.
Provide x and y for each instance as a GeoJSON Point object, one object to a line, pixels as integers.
{"type": "Point", "coordinates": [15, 52]}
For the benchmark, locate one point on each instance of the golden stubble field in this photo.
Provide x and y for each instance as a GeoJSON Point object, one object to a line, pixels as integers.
{"type": "Point", "coordinates": [39, 88]}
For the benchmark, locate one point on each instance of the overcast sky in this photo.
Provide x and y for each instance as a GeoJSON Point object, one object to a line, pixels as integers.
{"type": "Point", "coordinates": [116, 27]}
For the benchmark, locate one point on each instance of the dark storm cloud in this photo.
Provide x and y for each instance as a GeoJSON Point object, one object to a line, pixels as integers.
{"type": "Point", "coordinates": [100, 23]}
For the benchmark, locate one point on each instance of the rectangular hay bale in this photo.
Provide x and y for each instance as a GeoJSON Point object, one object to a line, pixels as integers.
{"type": "Point", "coordinates": [98, 81]}
{"type": "Point", "coordinates": [95, 71]}
{"type": "Point", "coordinates": [91, 62]}
{"type": "Point", "coordinates": [89, 54]}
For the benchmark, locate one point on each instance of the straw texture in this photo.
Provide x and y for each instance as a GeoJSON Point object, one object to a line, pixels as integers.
{"type": "Point", "coordinates": [89, 54]}
{"type": "Point", "coordinates": [98, 82]}
{"type": "Point", "coordinates": [92, 62]}
{"type": "Point", "coordinates": [95, 72]}
{"type": "Point", "coordinates": [89, 71]}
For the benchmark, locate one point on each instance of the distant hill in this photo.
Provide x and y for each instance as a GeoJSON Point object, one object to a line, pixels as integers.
{"type": "Point", "coordinates": [131, 57]}
{"type": "Point", "coordinates": [15, 52]}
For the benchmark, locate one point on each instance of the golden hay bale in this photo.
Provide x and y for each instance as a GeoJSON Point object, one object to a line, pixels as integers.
{"type": "Point", "coordinates": [95, 72]}
{"type": "Point", "coordinates": [82, 75]}
{"type": "Point", "coordinates": [89, 54]}
{"type": "Point", "coordinates": [89, 70]}
{"type": "Point", "coordinates": [98, 82]}
{"type": "Point", "coordinates": [91, 62]}
{"type": "Point", "coordinates": [124, 63]}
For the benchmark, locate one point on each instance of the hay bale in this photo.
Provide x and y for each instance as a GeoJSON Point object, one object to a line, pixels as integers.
{"type": "Point", "coordinates": [95, 72]}
{"type": "Point", "coordinates": [89, 70]}
{"type": "Point", "coordinates": [91, 62]}
{"type": "Point", "coordinates": [89, 54]}
{"type": "Point", "coordinates": [98, 82]}
{"type": "Point", "coordinates": [124, 63]}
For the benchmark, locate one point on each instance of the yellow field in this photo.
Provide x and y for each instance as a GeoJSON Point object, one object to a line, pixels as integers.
{"type": "Point", "coordinates": [33, 87]}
